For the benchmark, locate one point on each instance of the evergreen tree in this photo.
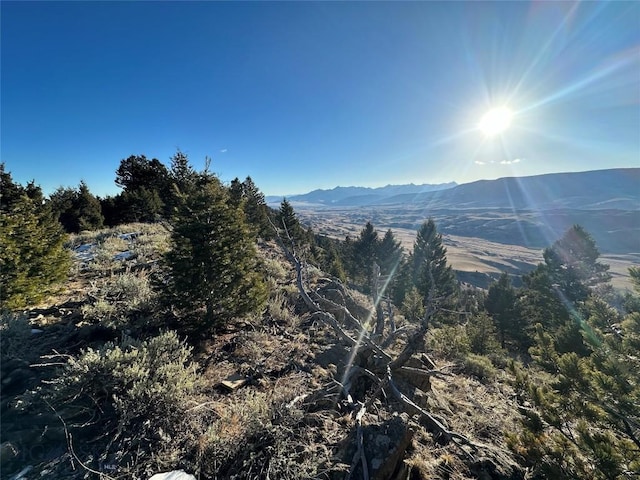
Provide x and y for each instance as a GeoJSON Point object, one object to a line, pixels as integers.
{"type": "Point", "coordinates": [326, 254]}
{"type": "Point", "coordinates": [634, 273]}
{"type": "Point", "coordinates": [413, 305]}
{"type": "Point", "coordinates": [572, 264]}
{"type": "Point", "coordinates": [538, 301]}
{"type": "Point", "coordinates": [137, 172]}
{"type": "Point", "coordinates": [256, 209]}
{"type": "Point", "coordinates": [213, 261]}
{"type": "Point", "coordinates": [33, 260]}
{"type": "Point", "coordinates": [556, 290]}
{"type": "Point", "coordinates": [77, 209]}
{"type": "Point", "coordinates": [141, 205]}
{"type": "Point", "coordinates": [389, 254]}
{"type": "Point", "coordinates": [236, 192]}
{"type": "Point", "coordinates": [10, 192]}
{"type": "Point", "coordinates": [501, 304]}
{"type": "Point", "coordinates": [483, 338]}
{"type": "Point", "coordinates": [61, 203]}
{"type": "Point", "coordinates": [112, 208]}
{"type": "Point", "coordinates": [365, 255]}
{"type": "Point", "coordinates": [288, 222]}
{"type": "Point", "coordinates": [430, 269]}
{"type": "Point", "coordinates": [334, 265]}
{"type": "Point", "coordinates": [182, 174]}
{"type": "Point", "coordinates": [403, 281]}
{"type": "Point", "coordinates": [88, 209]}
{"type": "Point", "coordinates": [147, 193]}
{"type": "Point", "coordinates": [586, 417]}
{"type": "Point", "coordinates": [254, 205]}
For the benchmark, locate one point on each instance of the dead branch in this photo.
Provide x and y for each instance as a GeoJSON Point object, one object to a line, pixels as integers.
{"type": "Point", "coordinates": [392, 321]}
{"type": "Point", "coordinates": [394, 335]}
{"type": "Point", "coordinates": [359, 455]}
{"type": "Point", "coordinates": [419, 372]}
{"type": "Point", "coordinates": [433, 424]}
{"type": "Point", "coordinates": [69, 439]}
{"type": "Point", "coordinates": [336, 309]}
{"type": "Point", "coordinates": [381, 373]}
{"type": "Point", "coordinates": [377, 299]}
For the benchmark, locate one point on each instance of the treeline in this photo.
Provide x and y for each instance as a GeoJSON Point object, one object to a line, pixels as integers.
{"type": "Point", "coordinates": [150, 193]}
{"type": "Point", "coordinates": [32, 228]}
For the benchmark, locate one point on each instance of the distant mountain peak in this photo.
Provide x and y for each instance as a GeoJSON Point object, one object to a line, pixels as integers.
{"type": "Point", "coordinates": [354, 196]}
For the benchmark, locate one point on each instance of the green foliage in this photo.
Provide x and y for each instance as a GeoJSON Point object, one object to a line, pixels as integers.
{"type": "Point", "coordinates": [10, 192]}
{"type": "Point", "coordinates": [482, 334]}
{"type": "Point", "coordinates": [326, 254]}
{"type": "Point", "coordinates": [254, 206]}
{"type": "Point", "coordinates": [585, 382]}
{"type": "Point", "coordinates": [288, 223]}
{"type": "Point", "coordinates": [182, 175]}
{"type": "Point", "coordinates": [365, 254]}
{"type": "Point", "coordinates": [140, 205]}
{"type": "Point", "coordinates": [502, 306]}
{"type": "Point", "coordinates": [431, 274]}
{"type": "Point", "coordinates": [148, 192]}
{"type": "Point", "coordinates": [589, 407]}
{"type": "Point", "coordinates": [390, 253]}
{"type": "Point", "coordinates": [360, 256]}
{"type": "Point", "coordinates": [479, 366]}
{"type": "Point", "coordinates": [33, 261]}
{"type": "Point", "coordinates": [413, 306]}
{"type": "Point", "coordinates": [449, 341]}
{"type": "Point", "coordinates": [213, 262]}
{"type": "Point", "coordinates": [539, 301]}
{"type": "Point", "coordinates": [123, 397]}
{"type": "Point", "coordinates": [634, 273]}
{"type": "Point", "coordinates": [555, 292]}
{"type": "Point", "coordinates": [572, 264]}
{"type": "Point", "coordinates": [76, 209]}
{"type": "Point", "coordinates": [136, 172]}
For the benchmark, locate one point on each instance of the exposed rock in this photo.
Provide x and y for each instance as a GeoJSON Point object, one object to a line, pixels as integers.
{"type": "Point", "coordinates": [385, 445]}
{"type": "Point", "coordinates": [413, 377]}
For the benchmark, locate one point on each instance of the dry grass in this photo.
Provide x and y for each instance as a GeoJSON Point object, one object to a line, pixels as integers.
{"type": "Point", "coordinates": [483, 413]}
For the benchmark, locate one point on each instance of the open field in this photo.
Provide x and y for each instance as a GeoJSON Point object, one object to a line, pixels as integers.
{"type": "Point", "coordinates": [483, 245]}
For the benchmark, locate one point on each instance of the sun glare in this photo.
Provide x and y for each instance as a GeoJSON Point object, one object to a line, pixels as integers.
{"type": "Point", "coordinates": [495, 121]}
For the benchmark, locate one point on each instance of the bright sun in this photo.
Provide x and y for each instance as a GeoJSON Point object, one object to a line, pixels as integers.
{"type": "Point", "coordinates": [495, 121]}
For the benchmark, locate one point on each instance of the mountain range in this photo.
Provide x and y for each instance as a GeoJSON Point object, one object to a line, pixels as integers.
{"type": "Point", "coordinates": [528, 211]}
{"type": "Point", "coordinates": [358, 196]}
{"type": "Point", "coordinates": [592, 190]}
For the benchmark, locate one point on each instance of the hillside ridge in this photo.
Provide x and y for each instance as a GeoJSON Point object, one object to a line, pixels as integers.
{"type": "Point", "coordinates": [616, 188]}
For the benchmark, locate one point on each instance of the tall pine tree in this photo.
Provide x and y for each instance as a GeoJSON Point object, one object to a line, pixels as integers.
{"type": "Point", "coordinates": [501, 304]}
{"type": "Point", "coordinates": [365, 255]}
{"type": "Point", "coordinates": [289, 224]}
{"type": "Point", "coordinates": [213, 261]}
{"type": "Point", "coordinates": [573, 266]}
{"type": "Point", "coordinates": [430, 270]}
{"type": "Point", "coordinates": [390, 253]}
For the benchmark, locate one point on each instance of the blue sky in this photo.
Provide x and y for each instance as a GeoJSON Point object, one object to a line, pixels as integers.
{"type": "Point", "coordinates": [304, 95]}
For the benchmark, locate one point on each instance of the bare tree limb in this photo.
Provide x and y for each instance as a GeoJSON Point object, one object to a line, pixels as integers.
{"type": "Point", "coordinates": [432, 423]}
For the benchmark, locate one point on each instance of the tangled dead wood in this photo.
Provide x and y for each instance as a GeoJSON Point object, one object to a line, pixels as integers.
{"type": "Point", "coordinates": [377, 361]}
